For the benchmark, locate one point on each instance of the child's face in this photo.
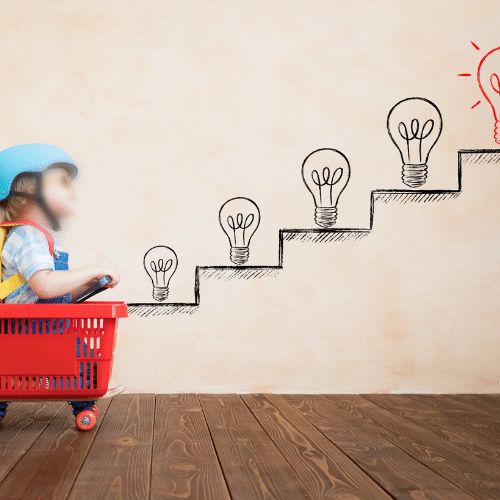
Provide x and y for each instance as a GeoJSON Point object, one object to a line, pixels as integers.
{"type": "Point", "coordinates": [59, 192]}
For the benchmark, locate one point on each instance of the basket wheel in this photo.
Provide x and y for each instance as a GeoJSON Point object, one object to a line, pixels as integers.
{"type": "Point", "coordinates": [95, 410]}
{"type": "Point", "coordinates": [85, 420]}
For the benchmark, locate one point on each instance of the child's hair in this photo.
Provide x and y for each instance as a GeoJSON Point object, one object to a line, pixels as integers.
{"type": "Point", "coordinates": [12, 208]}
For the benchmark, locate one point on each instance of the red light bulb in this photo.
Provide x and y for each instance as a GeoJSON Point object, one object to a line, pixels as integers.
{"type": "Point", "coordinates": [488, 78]}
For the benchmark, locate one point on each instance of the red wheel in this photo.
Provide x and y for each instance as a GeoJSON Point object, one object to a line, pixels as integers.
{"type": "Point", "coordinates": [85, 420]}
{"type": "Point", "coordinates": [95, 410]}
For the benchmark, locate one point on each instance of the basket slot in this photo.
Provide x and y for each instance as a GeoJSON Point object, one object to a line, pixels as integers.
{"type": "Point", "coordinates": [89, 344]}
{"type": "Point", "coordinates": [81, 376]}
{"type": "Point", "coordinates": [88, 377]}
{"type": "Point", "coordinates": [34, 326]}
{"type": "Point", "coordinates": [47, 383]}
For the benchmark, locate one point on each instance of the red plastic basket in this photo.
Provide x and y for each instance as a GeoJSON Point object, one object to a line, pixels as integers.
{"type": "Point", "coordinates": [57, 351]}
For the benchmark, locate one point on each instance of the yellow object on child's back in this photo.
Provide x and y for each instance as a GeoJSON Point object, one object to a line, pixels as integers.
{"type": "Point", "coordinates": [14, 282]}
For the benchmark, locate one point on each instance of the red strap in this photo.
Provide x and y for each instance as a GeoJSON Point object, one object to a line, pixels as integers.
{"type": "Point", "coordinates": [28, 222]}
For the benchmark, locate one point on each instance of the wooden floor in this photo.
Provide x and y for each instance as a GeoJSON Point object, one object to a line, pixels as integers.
{"type": "Point", "coordinates": [256, 446]}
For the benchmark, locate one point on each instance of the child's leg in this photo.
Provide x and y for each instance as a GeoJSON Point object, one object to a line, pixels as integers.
{"type": "Point", "coordinates": [79, 406]}
{"type": "Point", "coordinates": [3, 410]}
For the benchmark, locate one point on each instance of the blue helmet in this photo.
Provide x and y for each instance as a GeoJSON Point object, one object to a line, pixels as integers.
{"type": "Point", "coordinates": [30, 158]}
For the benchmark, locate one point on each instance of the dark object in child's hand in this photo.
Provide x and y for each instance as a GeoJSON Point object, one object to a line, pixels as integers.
{"type": "Point", "coordinates": [97, 287]}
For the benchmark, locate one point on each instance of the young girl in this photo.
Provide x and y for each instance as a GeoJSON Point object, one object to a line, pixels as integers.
{"type": "Point", "coordinates": [36, 194]}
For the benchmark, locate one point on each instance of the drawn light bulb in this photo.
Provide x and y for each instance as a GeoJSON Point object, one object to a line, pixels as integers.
{"type": "Point", "coordinates": [160, 262]}
{"type": "Point", "coordinates": [488, 78]}
{"type": "Point", "coordinates": [414, 125]}
{"type": "Point", "coordinates": [326, 173]}
{"type": "Point", "coordinates": [239, 219]}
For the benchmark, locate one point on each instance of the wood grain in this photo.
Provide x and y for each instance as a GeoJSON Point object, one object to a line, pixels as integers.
{"type": "Point", "coordinates": [480, 479]}
{"type": "Point", "coordinates": [323, 469]}
{"type": "Point", "coordinates": [226, 447]}
{"type": "Point", "coordinates": [118, 464]}
{"type": "Point", "coordinates": [20, 429]}
{"type": "Point", "coordinates": [253, 467]}
{"type": "Point", "coordinates": [50, 466]}
{"type": "Point", "coordinates": [482, 407]}
{"type": "Point", "coordinates": [429, 414]}
{"type": "Point", "coordinates": [185, 464]}
{"type": "Point", "coordinates": [455, 408]}
{"type": "Point", "coordinates": [396, 471]}
{"type": "Point", "coordinates": [486, 402]}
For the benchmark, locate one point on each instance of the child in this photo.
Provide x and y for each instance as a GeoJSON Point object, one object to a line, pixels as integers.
{"type": "Point", "coordinates": [36, 194]}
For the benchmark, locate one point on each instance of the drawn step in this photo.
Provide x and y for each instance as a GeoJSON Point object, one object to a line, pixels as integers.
{"type": "Point", "coordinates": [144, 310]}
{"type": "Point", "coordinates": [480, 157]}
{"type": "Point", "coordinates": [415, 197]}
{"type": "Point", "coordinates": [319, 236]}
{"type": "Point", "coordinates": [245, 273]}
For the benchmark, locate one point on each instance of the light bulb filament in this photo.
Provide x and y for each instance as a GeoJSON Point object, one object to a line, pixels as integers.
{"type": "Point", "coordinates": [326, 180]}
{"type": "Point", "coordinates": [161, 267]}
{"type": "Point", "coordinates": [416, 133]}
{"type": "Point", "coordinates": [241, 223]}
{"type": "Point", "coordinates": [495, 82]}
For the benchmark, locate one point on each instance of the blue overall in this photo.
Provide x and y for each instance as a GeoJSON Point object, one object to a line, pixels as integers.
{"type": "Point", "coordinates": [61, 261]}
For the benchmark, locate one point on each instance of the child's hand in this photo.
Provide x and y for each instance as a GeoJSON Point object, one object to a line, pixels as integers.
{"type": "Point", "coordinates": [100, 273]}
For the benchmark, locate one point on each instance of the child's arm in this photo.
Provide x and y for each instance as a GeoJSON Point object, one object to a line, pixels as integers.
{"type": "Point", "coordinates": [48, 284]}
{"type": "Point", "coordinates": [78, 291]}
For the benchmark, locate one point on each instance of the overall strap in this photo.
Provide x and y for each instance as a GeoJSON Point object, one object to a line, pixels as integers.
{"type": "Point", "coordinates": [17, 280]}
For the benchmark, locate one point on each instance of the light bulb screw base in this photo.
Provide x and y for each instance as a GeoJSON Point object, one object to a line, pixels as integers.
{"type": "Point", "coordinates": [239, 255]}
{"type": "Point", "coordinates": [496, 132]}
{"type": "Point", "coordinates": [160, 293]}
{"type": "Point", "coordinates": [325, 217]}
{"type": "Point", "coordinates": [414, 175]}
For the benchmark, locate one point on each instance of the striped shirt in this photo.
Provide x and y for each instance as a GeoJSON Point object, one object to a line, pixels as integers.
{"type": "Point", "coordinates": [25, 251]}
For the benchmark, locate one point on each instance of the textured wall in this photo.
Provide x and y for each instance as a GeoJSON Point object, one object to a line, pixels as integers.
{"type": "Point", "coordinates": [173, 107]}
{"type": "Point", "coordinates": [411, 307]}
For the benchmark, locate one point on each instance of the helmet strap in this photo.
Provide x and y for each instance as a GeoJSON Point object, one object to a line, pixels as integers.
{"type": "Point", "coordinates": [40, 200]}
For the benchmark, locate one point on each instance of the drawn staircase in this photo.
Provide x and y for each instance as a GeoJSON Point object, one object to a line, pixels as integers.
{"type": "Point", "coordinates": [384, 196]}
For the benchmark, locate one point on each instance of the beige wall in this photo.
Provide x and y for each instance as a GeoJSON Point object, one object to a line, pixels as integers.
{"type": "Point", "coordinates": [173, 107]}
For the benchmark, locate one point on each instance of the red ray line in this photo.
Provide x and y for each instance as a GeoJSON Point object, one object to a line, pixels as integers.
{"type": "Point", "coordinates": [477, 104]}
{"type": "Point", "coordinates": [464, 74]}
{"type": "Point", "coordinates": [474, 45]}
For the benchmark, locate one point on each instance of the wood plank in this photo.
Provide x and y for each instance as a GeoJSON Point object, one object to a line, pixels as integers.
{"type": "Point", "coordinates": [20, 429]}
{"type": "Point", "coordinates": [253, 467]}
{"type": "Point", "coordinates": [185, 464]}
{"type": "Point", "coordinates": [396, 471]}
{"type": "Point", "coordinates": [323, 469]}
{"type": "Point", "coordinates": [118, 464]}
{"type": "Point", "coordinates": [49, 467]}
{"type": "Point", "coordinates": [482, 405]}
{"type": "Point", "coordinates": [455, 407]}
{"type": "Point", "coordinates": [444, 427]}
{"type": "Point", "coordinates": [486, 402]}
{"type": "Point", "coordinates": [478, 478]}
